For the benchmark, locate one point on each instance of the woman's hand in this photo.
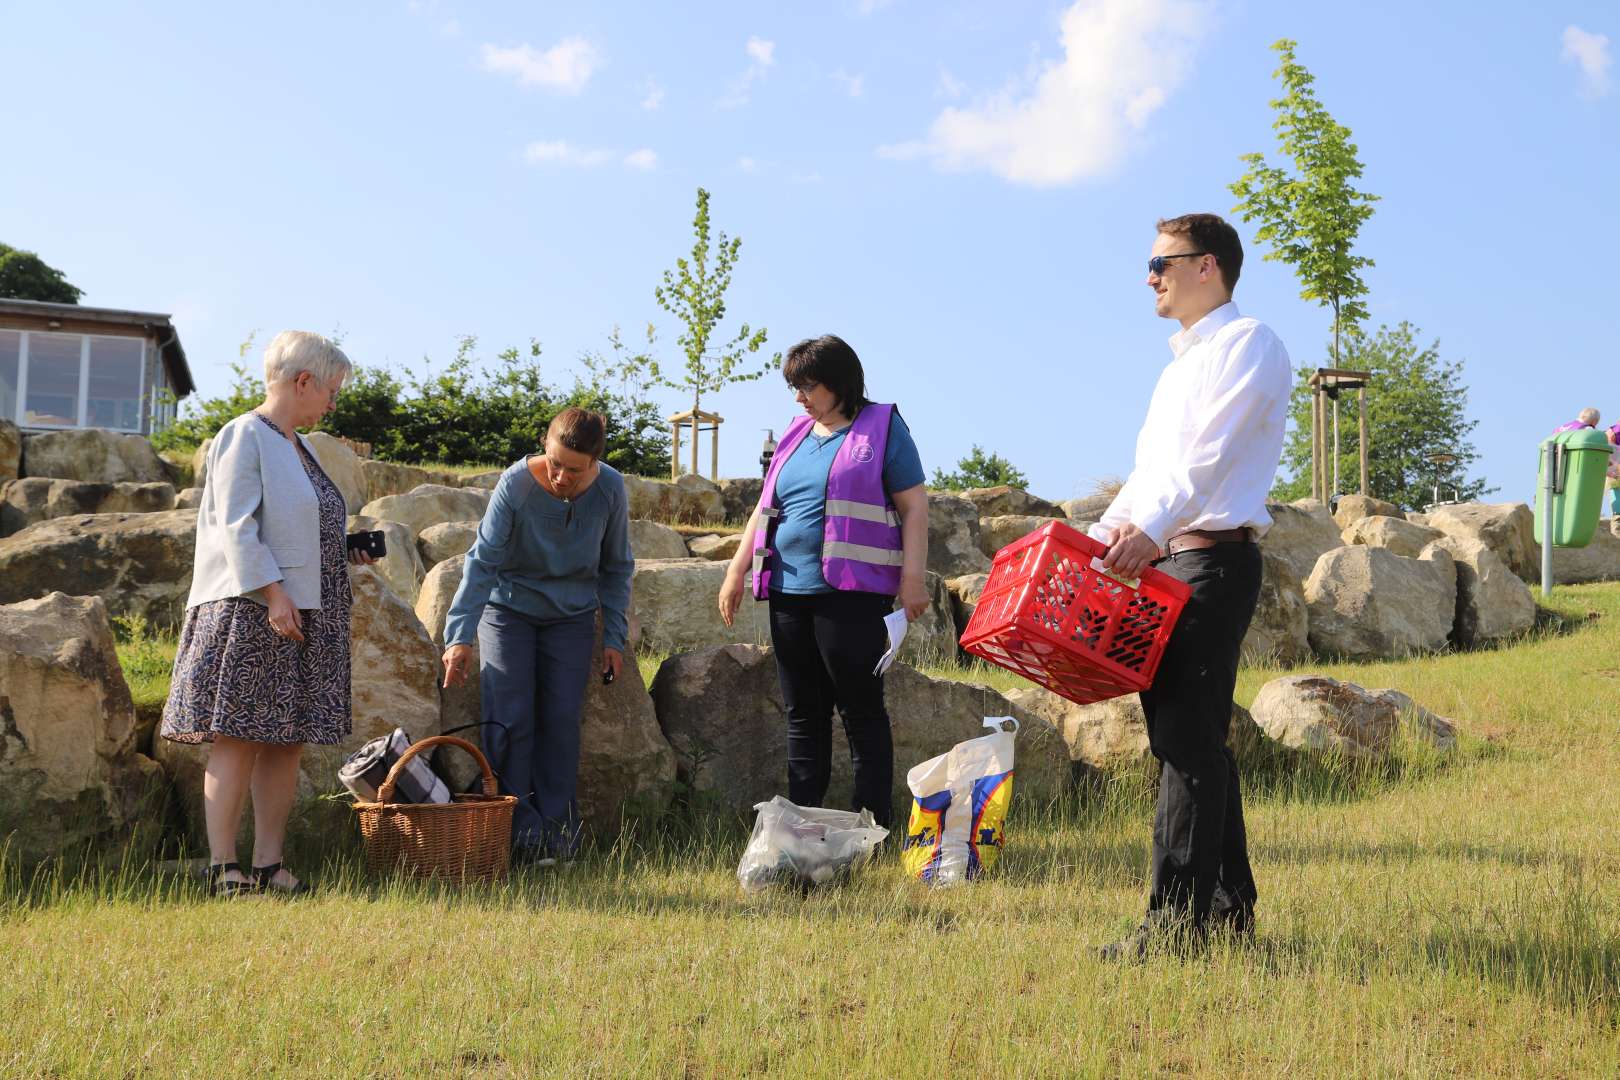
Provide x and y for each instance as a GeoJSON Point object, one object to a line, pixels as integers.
{"type": "Point", "coordinates": [361, 558]}
{"type": "Point", "coordinates": [612, 662]}
{"type": "Point", "coordinates": [731, 593]}
{"type": "Point", "coordinates": [284, 617]}
{"type": "Point", "coordinates": [913, 597]}
{"type": "Point", "coordinates": [457, 663]}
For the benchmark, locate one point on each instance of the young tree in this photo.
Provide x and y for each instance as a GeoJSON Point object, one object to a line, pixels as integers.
{"type": "Point", "coordinates": [979, 470]}
{"type": "Point", "coordinates": [1310, 216]}
{"type": "Point", "coordinates": [695, 293]}
{"type": "Point", "coordinates": [25, 276]}
{"type": "Point", "coordinates": [1417, 405]}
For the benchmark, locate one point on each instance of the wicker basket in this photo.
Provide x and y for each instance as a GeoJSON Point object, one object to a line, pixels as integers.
{"type": "Point", "coordinates": [470, 838]}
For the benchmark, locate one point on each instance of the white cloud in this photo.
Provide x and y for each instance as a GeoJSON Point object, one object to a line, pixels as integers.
{"type": "Point", "coordinates": [564, 67]}
{"type": "Point", "coordinates": [747, 164]}
{"type": "Point", "coordinates": [566, 154]}
{"type": "Point", "coordinates": [1075, 118]}
{"type": "Point", "coordinates": [560, 152]}
{"type": "Point", "coordinates": [1590, 53]}
{"type": "Point", "coordinates": [853, 84]}
{"type": "Point", "coordinates": [761, 56]}
{"type": "Point", "coordinates": [654, 99]}
{"type": "Point", "coordinates": [949, 86]}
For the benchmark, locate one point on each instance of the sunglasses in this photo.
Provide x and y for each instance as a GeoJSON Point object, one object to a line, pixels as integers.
{"type": "Point", "coordinates": [1160, 263]}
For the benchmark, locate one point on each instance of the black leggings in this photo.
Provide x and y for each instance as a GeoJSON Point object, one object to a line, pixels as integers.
{"type": "Point", "coordinates": [826, 647]}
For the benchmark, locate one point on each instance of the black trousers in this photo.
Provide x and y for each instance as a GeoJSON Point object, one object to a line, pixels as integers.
{"type": "Point", "coordinates": [826, 647]}
{"type": "Point", "coordinates": [1200, 852]}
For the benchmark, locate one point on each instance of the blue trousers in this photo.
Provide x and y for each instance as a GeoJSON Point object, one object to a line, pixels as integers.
{"type": "Point", "coordinates": [532, 681]}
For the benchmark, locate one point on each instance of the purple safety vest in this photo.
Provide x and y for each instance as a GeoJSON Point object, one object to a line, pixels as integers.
{"type": "Point", "coordinates": [1573, 425]}
{"type": "Point", "coordinates": [860, 547]}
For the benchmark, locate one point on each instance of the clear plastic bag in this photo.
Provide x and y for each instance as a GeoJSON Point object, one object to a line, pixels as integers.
{"type": "Point", "coordinates": [805, 844]}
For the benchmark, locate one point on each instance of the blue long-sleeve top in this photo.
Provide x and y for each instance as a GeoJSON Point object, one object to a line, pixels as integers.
{"type": "Point", "coordinates": [549, 558]}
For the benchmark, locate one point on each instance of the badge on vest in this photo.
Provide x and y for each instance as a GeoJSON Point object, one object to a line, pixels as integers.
{"type": "Point", "coordinates": [861, 452]}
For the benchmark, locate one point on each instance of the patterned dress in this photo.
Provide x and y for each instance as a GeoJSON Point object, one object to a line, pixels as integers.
{"type": "Point", "coordinates": [235, 676]}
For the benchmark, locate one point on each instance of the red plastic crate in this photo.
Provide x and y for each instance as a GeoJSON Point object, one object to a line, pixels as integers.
{"type": "Point", "coordinates": [1049, 615]}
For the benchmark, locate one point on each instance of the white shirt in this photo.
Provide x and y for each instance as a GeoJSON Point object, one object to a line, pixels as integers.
{"type": "Point", "coordinates": [1213, 437]}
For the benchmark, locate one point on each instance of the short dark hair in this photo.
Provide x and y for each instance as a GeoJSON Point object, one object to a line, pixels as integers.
{"type": "Point", "coordinates": [1211, 233]}
{"type": "Point", "coordinates": [581, 430]}
{"type": "Point", "coordinates": [830, 361]}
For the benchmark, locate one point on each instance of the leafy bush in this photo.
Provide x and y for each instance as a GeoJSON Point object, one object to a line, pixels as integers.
{"type": "Point", "coordinates": [465, 413]}
{"type": "Point", "coordinates": [979, 470]}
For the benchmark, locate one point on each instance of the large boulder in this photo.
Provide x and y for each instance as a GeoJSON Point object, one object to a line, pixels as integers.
{"type": "Point", "coordinates": [1110, 735]}
{"type": "Point", "coordinates": [401, 567]}
{"type": "Point", "coordinates": [715, 548]}
{"type": "Point", "coordinates": [429, 504]}
{"type": "Point", "coordinates": [1300, 535]}
{"type": "Point", "coordinates": [10, 451]}
{"type": "Point", "coordinates": [188, 498]}
{"type": "Point", "coordinates": [139, 564]}
{"type": "Point", "coordinates": [35, 499]}
{"type": "Point", "coordinates": [721, 709]}
{"type": "Point", "coordinates": [199, 463]}
{"type": "Point", "coordinates": [393, 683]}
{"type": "Point", "coordinates": [1279, 633]}
{"type": "Point", "coordinates": [1352, 508]}
{"type": "Point", "coordinates": [1395, 534]}
{"type": "Point", "coordinates": [1316, 713]}
{"type": "Point", "coordinates": [1004, 501]}
{"type": "Point", "coordinates": [953, 536]}
{"type": "Point", "coordinates": [965, 592]}
{"type": "Point", "coordinates": [740, 496]}
{"type": "Point", "coordinates": [931, 637]}
{"type": "Point", "coordinates": [1368, 602]}
{"type": "Point", "coordinates": [1089, 509]}
{"type": "Point", "coordinates": [93, 454]}
{"type": "Point", "coordinates": [68, 767]}
{"type": "Point", "coordinates": [1599, 560]}
{"type": "Point", "coordinates": [625, 762]}
{"type": "Point", "coordinates": [1492, 601]}
{"type": "Point", "coordinates": [691, 500]}
{"type": "Point", "coordinates": [650, 540]}
{"type": "Point", "coordinates": [676, 600]}
{"type": "Point", "coordinates": [384, 478]}
{"type": "Point", "coordinates": [486, 479]}
{"type": "Point", "coordinates": [445, 541]}
{"type": "Point", "coordinates": [1505, 528]}
{"type": "Point", "coordinates": [996, 533]}
{"type": "Point", "coordinates": [342, 466]}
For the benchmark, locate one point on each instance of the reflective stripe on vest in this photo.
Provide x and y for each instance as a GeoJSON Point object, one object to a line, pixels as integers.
{"type": "Point", "coordinates": [839, 549]}
{"type": "Point", "coordinates": [862, 512]}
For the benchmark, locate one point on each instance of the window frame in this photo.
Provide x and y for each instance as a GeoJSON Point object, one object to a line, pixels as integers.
{"type": "Point", "coordinates": [19, 416]}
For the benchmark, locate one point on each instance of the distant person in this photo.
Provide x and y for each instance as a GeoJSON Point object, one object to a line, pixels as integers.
{"type": "Point", "coordinates": [1612, 482]}
{"type": "Point", "coordinates": [1194, 506]}
{"type": "Point", "coordinates": [1586, 418]}
{"type": "Point", "coordinates": [841, 530]}
{"type": "Point", "coordinates": [553, 547]}
{"type": "Point", "coordinates": [263, 662]}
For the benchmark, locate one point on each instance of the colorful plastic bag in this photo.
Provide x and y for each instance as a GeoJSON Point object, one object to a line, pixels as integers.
{"type": "Point", "coordinates": [959, 801]}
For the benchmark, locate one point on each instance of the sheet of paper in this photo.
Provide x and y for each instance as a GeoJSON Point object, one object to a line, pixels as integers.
{"type": "Point", "coordinates": [896, 623]}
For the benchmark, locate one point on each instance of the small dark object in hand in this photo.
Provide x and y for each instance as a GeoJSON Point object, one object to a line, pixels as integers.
{"type": "Point", "coordinates": [372, 543]}
{"type": "Point", "coordinates": [607, 676]}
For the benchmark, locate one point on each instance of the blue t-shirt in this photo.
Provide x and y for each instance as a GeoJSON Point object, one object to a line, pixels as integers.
{"type": "Point", "coordinates": [801, 493]}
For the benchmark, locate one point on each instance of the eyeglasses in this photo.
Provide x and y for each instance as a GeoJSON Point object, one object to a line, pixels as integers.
{"type": "Point", "coordinates": [1160, 263]}
{"type": "Point", "coordinates": [803, 388]}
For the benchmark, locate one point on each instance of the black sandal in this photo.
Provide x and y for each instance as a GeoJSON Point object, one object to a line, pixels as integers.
{"type": "Point", "coordinates": [218, 886]}
{"type": "Point", "coordinates": [263, 875]}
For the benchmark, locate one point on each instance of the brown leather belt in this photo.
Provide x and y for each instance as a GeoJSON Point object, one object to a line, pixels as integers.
{"type": "Point", "coordinates": [1199, 539]}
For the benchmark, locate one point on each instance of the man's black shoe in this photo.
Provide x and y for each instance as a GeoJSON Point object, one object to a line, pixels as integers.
{"type": "Point", "coordinates": [1155, 934]}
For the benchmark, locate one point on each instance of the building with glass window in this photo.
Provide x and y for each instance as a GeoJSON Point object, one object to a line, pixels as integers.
{"type": "Point", "coordinates": [67, 366]}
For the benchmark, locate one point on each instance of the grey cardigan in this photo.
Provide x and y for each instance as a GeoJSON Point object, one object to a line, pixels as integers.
{"type": "Point", "coordinates": [259, 520]}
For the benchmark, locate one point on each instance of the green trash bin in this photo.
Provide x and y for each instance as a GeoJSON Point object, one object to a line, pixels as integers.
{"type": "Point", "coordinates": [1585, 465]}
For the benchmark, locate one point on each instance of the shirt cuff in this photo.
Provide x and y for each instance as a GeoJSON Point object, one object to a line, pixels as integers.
{"type": "Point", "coordinates": [1157, 527]}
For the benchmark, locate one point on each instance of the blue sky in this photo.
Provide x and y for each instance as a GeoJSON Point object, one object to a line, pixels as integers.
{"type": "Point", "coordinates": [964, 191]}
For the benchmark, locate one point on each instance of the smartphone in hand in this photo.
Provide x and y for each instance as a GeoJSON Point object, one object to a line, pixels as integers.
{"type": "Point", "coordinates": [372, 543]}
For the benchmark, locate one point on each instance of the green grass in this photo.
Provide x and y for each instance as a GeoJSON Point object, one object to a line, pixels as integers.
{"type": "Point", "coordinates": [1425, 918]}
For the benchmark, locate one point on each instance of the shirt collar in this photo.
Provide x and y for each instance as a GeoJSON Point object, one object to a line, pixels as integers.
{"type": "Point", "coordinates": [1203, 329]}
